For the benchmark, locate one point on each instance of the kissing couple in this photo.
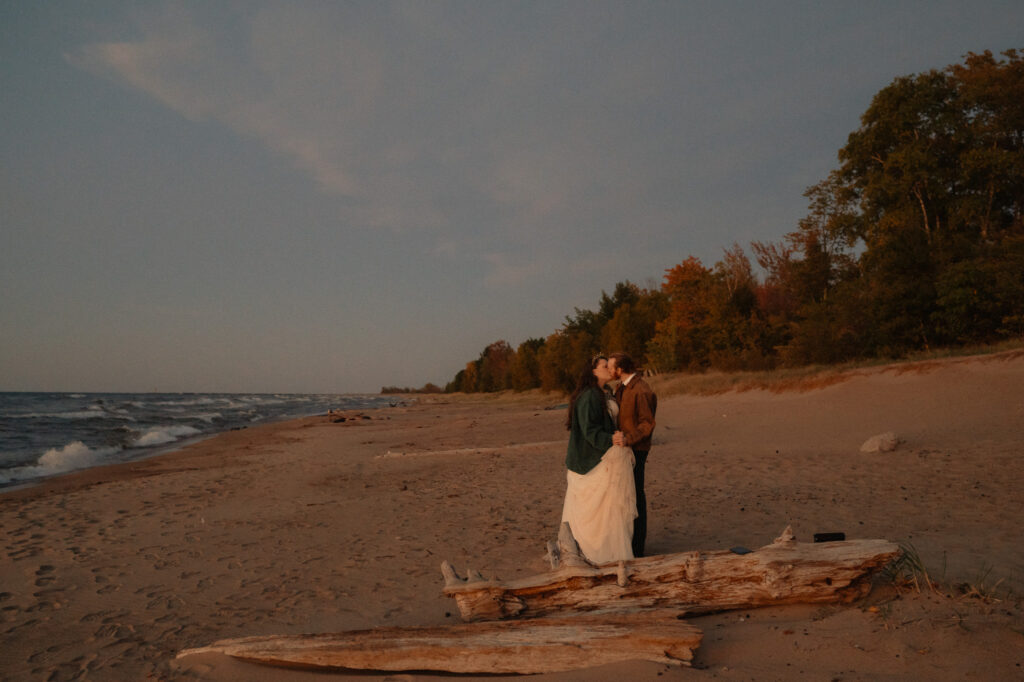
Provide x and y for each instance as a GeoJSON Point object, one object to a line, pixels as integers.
{"type": "Point", "coordinates": [609, 439]}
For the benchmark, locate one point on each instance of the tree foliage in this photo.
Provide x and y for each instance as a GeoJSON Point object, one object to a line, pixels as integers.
{"type": "Point", "coordinates": [915, 240]}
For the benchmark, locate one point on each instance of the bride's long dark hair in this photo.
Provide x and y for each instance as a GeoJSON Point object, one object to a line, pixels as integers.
{"type": "Point", "coordinates": [585, 381]}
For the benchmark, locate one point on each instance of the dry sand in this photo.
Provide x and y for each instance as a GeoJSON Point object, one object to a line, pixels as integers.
{"type": "Point", "coordinates": [315, 526]}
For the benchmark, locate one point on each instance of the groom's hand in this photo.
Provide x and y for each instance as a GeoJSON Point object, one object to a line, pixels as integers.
{"type": "Point", "coordinates": [618, 438]}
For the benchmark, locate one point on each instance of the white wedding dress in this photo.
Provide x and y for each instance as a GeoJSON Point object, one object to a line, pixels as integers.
{"type": "Point", "coordinates": [600, 505]}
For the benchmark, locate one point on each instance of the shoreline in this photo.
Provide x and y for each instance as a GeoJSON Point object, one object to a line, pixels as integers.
{"type": "Point", "coordinates": [307, 526]}
{"type": "Point", "coordinates": [163, 459]}
{"type": "Point", "coordinates": [151, 464]}
{"type": "Point", "coordinates": [101, 438]}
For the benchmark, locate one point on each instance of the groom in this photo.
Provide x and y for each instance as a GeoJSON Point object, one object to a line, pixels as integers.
{"type": "Point", "coordinates": [637, 405]}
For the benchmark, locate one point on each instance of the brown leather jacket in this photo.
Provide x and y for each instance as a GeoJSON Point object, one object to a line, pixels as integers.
{"type": "Point", "coordinates": [637, 406]}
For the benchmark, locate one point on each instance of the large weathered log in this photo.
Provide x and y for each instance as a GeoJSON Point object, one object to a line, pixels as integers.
{"type": "Point", "coordinates": [516, 646]}
{"type": "Point", "coordinates": [783, 572]}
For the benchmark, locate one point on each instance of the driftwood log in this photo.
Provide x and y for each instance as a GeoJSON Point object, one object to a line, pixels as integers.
{"type": "Point", "coordinates": [516, 646]}
{"type": "Point", "coordinates": [783, 572]}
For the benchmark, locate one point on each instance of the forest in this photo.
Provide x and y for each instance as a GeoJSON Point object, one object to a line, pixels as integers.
{"type": "Point", "coordinates": [915, 241]}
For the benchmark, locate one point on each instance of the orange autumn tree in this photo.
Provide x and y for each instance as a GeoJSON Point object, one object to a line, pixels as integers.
{"type": "Point", "coordinates": [679, 342]}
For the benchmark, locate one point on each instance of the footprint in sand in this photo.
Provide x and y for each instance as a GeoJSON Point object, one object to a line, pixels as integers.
{"type": "Point", "coordinates": [28, 624]}
{"type": "Point", "coordinates": [46, 600]}
{"type": "Point", "coordinates": [94, 616]}
{"type": "Point", "coordinates": [24, 553]}
{"type": "Point", "coordinates": [43, 575]}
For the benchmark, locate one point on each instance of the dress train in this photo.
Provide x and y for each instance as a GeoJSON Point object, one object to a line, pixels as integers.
{"type": "Point", "coordinates": [600, 507]}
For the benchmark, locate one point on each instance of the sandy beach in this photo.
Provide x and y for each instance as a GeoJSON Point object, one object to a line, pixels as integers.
{"type": "Point", "coordinates": [317, 525]}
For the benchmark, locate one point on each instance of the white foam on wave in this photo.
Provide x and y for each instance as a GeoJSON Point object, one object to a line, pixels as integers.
{"type": "Point", "coordinates": [260, 400]}
{"type": "Point", "coordinates": [190, 402]}
{"type": "Point", "coordinates": [75, 455]}
{"type": "Point", "coordinates": [159, 435]}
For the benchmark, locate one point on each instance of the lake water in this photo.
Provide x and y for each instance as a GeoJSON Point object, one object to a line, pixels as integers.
{"type": "Point", "coordinates": [46, 434]}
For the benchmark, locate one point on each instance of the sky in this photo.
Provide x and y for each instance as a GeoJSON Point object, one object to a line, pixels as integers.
{"type": "Point", "coordinates": [336, 196]}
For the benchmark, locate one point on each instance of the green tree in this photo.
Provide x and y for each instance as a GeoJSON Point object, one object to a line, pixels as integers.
{"type": "Point", "coordinates": [732, 327]}
{"type": "Point", "coordinates": [471, 377]}
{"type": "Point", "coordinates": [992, 92]}
{"type": "Point", "coordinates": [561, 358]}
{"type": "Point", "coordinates": [933, 178]}
{"type": "Point", "coordinates": [633, 320]}
{"type": "Point", "coordinates": [494, 365]}
{"type": "Point", "coordinates": [456, 384]}
{"type": "Point", "coordinates": [625, 293]}
{"type": "Point", "coordinates": [802, 317]}
{"type": "Point", "coordinates": [982, 299]}
{"type": "Point", "coordinates": [525, 371]}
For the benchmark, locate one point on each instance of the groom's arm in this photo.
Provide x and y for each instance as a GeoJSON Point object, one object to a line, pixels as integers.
{"type": "Point", "coordinates": [644, 404]}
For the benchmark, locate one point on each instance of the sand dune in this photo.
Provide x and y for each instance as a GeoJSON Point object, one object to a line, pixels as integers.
{"type": "Point", "coordinates": [315, 526]}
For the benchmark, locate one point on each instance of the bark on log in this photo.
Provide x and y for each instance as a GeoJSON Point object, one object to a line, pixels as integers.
{"type": "Point", "coordinates": [783, 572]}
{"type": "Point", "coordinates": [503, 647]}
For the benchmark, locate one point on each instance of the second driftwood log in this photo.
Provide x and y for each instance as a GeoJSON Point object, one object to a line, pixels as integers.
{"type": "Point", "coordinates": [502, 647]}
{"type": "Point", "coordinates": [783, 572]}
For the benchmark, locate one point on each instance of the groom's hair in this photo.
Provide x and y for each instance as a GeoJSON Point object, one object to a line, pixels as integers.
{"type": "Point", "coordinates": [623, 362]}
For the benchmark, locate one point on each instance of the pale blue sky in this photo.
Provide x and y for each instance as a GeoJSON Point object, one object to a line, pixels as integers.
{"type": "Point", "coordinates": [331, 197]}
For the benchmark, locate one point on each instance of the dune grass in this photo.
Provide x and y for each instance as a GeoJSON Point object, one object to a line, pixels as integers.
{"type": "Point", "coordinates": [908, 572]}
{"type": "Point", "coordinates": [811, 377]}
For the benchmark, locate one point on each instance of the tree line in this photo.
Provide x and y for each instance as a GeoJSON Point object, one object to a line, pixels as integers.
{"type": "Point", "coordinates": [915, 241]}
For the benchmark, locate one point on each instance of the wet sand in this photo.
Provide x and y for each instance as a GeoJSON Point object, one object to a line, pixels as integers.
{"type": "Point", "coordinates": [321, 526]}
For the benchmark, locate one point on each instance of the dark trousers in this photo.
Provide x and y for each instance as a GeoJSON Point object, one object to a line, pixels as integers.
{"type": "Point", "coordinates": [640, 523]}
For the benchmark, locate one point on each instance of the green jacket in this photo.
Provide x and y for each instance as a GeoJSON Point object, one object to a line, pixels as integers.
{"type": "Point", "coordinates": [591, 432]}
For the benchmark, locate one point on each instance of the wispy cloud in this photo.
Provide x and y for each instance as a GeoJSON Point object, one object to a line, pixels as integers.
{"type": "Point", "coordinates": [400, 111]}
{"type": "Point", "coordinates": [249, 86]}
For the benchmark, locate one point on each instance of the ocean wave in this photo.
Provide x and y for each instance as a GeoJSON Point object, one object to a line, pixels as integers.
{"type": "Point", "coordinates": [131, 425]}
{"type": "Point", "coordinates": [207, 417]}
{"type": "Point", "coordinates": [90, 413]}
{"type": "Point", "coordinates": [74, 455]}
{"type": "Point", "coordinates": [160, 435]}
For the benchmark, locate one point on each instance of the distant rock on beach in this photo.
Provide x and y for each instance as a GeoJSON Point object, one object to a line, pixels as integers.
{"type": "Point", "coordinates": [883, 442]}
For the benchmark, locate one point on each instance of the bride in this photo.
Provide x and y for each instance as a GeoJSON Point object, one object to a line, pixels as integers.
{"type": "Point", "coordinates": [600, 497]}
